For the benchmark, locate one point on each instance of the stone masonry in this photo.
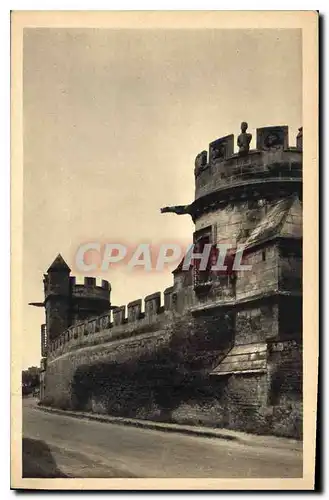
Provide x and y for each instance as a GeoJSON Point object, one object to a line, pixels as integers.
{"type": "Point", "coordinates": [218, 349]}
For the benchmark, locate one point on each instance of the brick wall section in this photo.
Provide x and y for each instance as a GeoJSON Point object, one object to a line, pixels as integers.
{"type": "Point", "coordinates": [290, 273]}
{"type": "Point", "coordinates": [263, 276]}
{"type": "Point", "coordinates": [285, 388]}
{"type": "Point", "coordinates": [237, 402]}
{"type": "Point", "coordinates": [245, 396]}
{"type": "Point", "coordinates": [234, 221]}
{"type": "Point", "coordinates": [256, 324]}
{"type": "Point", "coordinates": [59, 389]}
{"type": "Point", "coordinates": [285, 368]}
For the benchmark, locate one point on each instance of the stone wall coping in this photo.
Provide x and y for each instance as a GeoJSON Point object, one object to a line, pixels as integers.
{"type": "Point", "coordinates": [136, 302]}
{"type": "Point", "coordinates": [153, 296]}
{"type": "Point", "coordinates": [119, 339]}
{"type": "Point", "coordinates": [93, 326]}
{"type": "Point", "coordinates": [119, 308]}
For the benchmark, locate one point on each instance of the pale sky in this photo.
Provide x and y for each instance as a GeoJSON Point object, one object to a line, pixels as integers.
{"type": "Point", "coordinates": [113, 120]}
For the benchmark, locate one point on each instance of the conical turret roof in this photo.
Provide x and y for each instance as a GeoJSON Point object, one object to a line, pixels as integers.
{"type": "Point", "coordinates": [59, 264]}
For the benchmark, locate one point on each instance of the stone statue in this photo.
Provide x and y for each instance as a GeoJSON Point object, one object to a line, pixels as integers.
{"type": "Point", "coordinates": [299, 138]}
{"type": "Point", "coordinates": [244, 139]}
{"type": "Point", "coordinates": [177, 209]}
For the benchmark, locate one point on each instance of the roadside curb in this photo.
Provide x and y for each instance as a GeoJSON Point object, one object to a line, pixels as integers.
{"type": "Point", "coordinates": [242, 438]}
{"type": "Point", "coordinates": [141, 424]}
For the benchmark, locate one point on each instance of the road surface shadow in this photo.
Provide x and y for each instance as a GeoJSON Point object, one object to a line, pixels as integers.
{"type": "Point", "coordinates": [38, 461]}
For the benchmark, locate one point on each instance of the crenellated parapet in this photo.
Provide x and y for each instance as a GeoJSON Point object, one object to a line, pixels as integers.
{"type": "Point", "coordinates": [88, 299]}
{"type": "Point", "coordinates": [153, 305]}
{"type": "Point", "coordinates": [68, 302]}
{"type": "Point", "coordinates": [234, 325]}
{"type": "Point", "coordinates": [120, 322]}
{"type": "Point", "coordinates": [224, 172]}
{"type": "Point", "coordinates": [89, 288]}
{"type": "Point", "coordinates": [168, 298]}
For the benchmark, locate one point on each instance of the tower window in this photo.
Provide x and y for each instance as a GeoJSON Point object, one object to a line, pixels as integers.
{"type": "Point", "coordinates": [263, 255]}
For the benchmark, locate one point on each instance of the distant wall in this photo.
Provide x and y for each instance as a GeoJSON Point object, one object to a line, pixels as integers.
{"type": "Point", "coordinates": [224, 350]}
{"type": "Point", "coordinates": [107, 350]}
{"type": "Point", "coordinates": [123, 321]}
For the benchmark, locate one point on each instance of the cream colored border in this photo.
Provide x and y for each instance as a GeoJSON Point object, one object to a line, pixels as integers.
{"type": "Point", "coordinates": [308, 22]}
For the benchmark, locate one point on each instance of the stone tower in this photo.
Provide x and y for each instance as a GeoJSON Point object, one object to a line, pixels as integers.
{"type": "Point", "coordinates": [57, 297]}
{"type": "Point", "coordinates": [234, 337]}
{"type": "Point", "coordinates": [68, 303]}
{"type": "Point", "coordinates": [252, 198]}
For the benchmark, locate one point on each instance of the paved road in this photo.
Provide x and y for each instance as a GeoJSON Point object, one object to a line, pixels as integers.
{"type": "Point", "coordinates": [56, 445]}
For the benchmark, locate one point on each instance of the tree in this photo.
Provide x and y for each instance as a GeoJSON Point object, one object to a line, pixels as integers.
{"type": "Point", "coordinates": [30, 379]}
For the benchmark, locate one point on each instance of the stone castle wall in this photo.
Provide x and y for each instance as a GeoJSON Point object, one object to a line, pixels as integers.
{"type": "Point", "coordinates": [226, 353]}
{"type": "Point", "coordinates": [235, 359]}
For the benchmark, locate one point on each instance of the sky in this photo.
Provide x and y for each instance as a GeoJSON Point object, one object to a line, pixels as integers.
{"type": "Point", "coordinates": [113, 120]}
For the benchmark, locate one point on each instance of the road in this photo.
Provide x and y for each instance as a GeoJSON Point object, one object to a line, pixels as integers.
{"type": "Point", "coordinates": [61, 446]}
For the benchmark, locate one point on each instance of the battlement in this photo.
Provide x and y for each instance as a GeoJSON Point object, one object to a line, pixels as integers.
{"type": "Point", "coordinates": [89, 288]}
{"type": "Point", "coordinates": [214, 322]}
{"type": "Point", "coordinates": [90, 282]}
{"type": "Point", "coordinates": [219, 178]}
{"type": "Point", "coordinates": [86, 287]}
{"type": "Point", "coordinates": [272, 160]}
{"type": "Point", "coordinates": [70, 300]}
{"type": "Point", "coordinates": [119, 322]}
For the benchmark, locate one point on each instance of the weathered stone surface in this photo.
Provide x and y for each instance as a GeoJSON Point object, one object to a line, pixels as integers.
{"type": "Point", "coordinates": [200, 162]}
{"type": "Point", "coordinates": [152, 304]}
{"type": "Point", "coordinates": [270, 138]}
{"type": "Point", "coordinates": [251, 357]}
{"type": "Point", "coordinates": [220, 149]}
{"type": "Point", "coordinates": [226, 351]}
{"type": "Point", "coordinates": [119, 315]}
{"type": "Point", "coordinates": [259, 165]}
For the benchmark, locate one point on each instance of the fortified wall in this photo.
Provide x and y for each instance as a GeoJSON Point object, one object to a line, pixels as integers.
{"type": "Point", "coordinates": [219, 348]}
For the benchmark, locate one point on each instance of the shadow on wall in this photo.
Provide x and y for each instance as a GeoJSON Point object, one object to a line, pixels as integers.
{"type": "Point", "coordinates": [153, 385]}
{"type": "Point", "coordinates": [38, 461]}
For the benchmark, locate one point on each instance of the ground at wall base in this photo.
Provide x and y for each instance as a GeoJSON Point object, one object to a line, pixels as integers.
{"type": "Point", "coordinates": [242, 437]}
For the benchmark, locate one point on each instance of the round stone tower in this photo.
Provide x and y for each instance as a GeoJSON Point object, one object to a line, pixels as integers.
{"type": "Point", "coordinates": [250, 198]}
{"type": "Point", "coordinates": [57, 297]}
{"type": "Point", "coordinates": [67, 303]}
{"type": "Point", "coordinates": [252, 201]}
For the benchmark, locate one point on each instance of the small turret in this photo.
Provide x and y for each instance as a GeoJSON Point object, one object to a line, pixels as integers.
{"type": "Point", "coordinates": [57, 297]}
